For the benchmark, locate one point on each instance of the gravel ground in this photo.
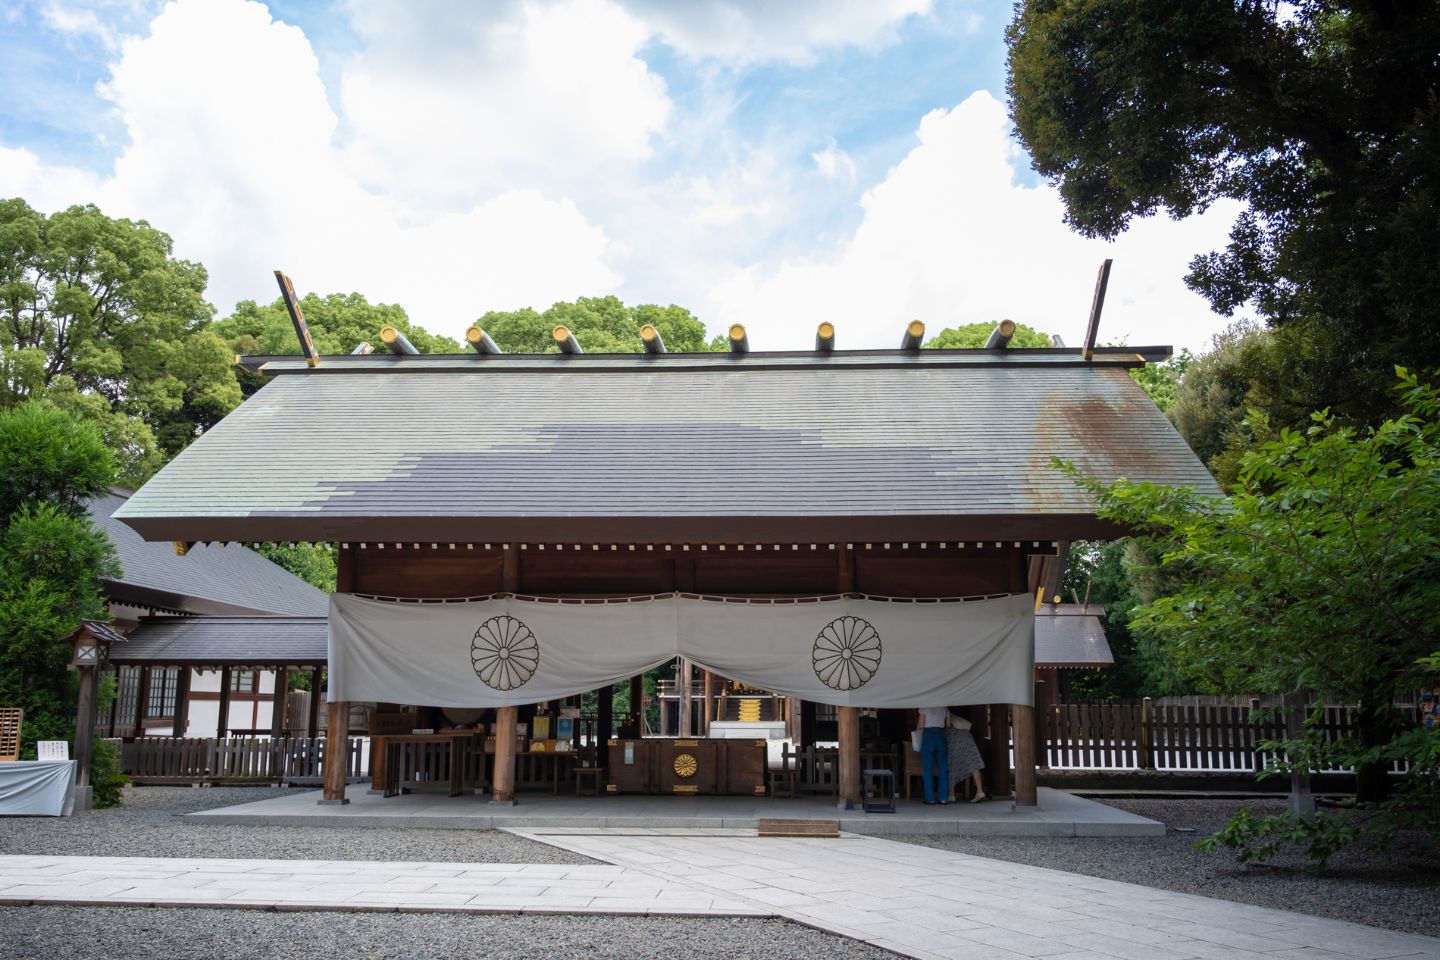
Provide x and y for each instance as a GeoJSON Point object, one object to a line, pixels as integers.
{"type": "Point", "coordinates": [59, 933]}
{"type": "Point", "coordinates": [152, 824]}
{"type": "Point", "coordinates": [1397, 890]}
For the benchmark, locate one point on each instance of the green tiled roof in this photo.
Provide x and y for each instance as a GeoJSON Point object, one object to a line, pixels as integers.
{"type": "Point", "coordinates": [931, 445]}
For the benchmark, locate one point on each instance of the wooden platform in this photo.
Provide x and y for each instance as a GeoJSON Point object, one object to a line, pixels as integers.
{"type": "Point", "coordinates": [797, 828]}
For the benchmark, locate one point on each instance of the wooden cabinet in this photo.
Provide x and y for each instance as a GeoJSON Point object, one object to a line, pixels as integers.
{"type": "Point", "coordinates": [687, 766]}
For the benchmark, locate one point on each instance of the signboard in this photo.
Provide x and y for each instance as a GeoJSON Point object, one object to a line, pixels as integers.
{"type": "Point", "coordinates": [52, 750]}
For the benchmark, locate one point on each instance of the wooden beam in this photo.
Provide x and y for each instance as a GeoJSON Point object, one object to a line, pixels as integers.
{"type": "Point", "coordinates": [739, 341]}
{"type": "Point", "coordinates": [999, 762]}
{"type": "Point", "coordinates": [825, 337]}
{"type": "Point", "coordinates": [1000, 337]}
{"type": "Point", "coordinates": [637, 706]}
{"type": "Point", "coordinates": [503, 789]}
{"type": "Point", "coordinates": [297, 319]}
{"type": "Point", "coordinates": [1025, 788]}
{"type": "Point", "coordinates": [651, 339]}
{"type": "Point", "coordinates": [277, 713]}
{"type": "Point", "coordinates": [605, 703]}
{"type": "Point", "coordinates": [565, 340]}
{"type": "Point", "coordinates": [481, 343]}
{"type": "Point", "coordinates": [363, 349]}
{"type": "Point", "coordinates": [312, 722]}
{"type": "Point", "coordinates": [85, 731]}
{"type": "Point", "coordinates": [914, 335]}
{"type": "Point", "coordinates": [1092, 331]}
{"type": "Point", "coordinates": [709, 704]}
{"type": "Point", "coordinates": [397, 341]}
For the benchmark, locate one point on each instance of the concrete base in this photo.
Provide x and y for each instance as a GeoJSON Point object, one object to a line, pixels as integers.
{"type": "Point", "coordinates": [1057, 815]}
{"type": "Point", "coordinates": [328, 803]}
{"type": "Point", "coordinates": [84, 798]}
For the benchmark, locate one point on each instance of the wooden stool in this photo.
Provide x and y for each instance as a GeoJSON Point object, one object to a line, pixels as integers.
{"type": "Point", "coordinates": [590, 774]}
{"type": "Point", "coordinates": [880, 784]}
{"type": "Point", "coordinates": [782, 780]}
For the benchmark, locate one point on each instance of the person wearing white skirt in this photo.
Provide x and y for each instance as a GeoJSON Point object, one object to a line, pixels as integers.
{"type": "Point", "coordinates": [965, 759]}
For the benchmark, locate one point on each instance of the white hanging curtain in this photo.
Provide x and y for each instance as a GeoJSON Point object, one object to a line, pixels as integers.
{"type": "Point", "coordinates": [847, 651]}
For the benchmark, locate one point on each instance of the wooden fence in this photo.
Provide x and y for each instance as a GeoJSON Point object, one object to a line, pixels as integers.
{"type": "Point", "coordinates": [297, 760]}
{"type": "Point", "coordinates": [1200, 738]}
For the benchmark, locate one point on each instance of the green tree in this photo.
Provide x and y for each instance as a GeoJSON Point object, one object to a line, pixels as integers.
{"type": "Point", "coordinates": [1319, 573]}
{"type": "Point", "coordinates": [338, 324]}
{"type": "Point", "coordinates": [312, 562]}
{"type": "Point", "coordinates": [1320, 117]}
{"type": "Point", "coordinates": [973, 336]}
{"type": "Point", "coordinates": [98, 311]}
{"type": "Point", "coordinates": [600, 324]}
{"type": "Point", "coordinates": [51, 560]}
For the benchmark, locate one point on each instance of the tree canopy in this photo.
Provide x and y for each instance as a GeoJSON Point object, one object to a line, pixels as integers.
{"type": "Point", "coordinates": [974, 335]}
{"type": "Point", "coordinates": [1320, 117]}
{"type": "Point", "coordinates": [101, 319]}
{"type": "Point", "coordinates": [600, 324]}
{"type": "Point", "coordinates": [338, 324]}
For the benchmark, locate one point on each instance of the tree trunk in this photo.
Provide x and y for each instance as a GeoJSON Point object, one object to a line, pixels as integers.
{"type": "Point", "coordinates": [1378, 724]}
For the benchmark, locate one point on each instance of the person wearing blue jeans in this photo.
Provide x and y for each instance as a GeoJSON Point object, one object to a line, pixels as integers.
{"type": "Point", "coordinates": [934, 754]}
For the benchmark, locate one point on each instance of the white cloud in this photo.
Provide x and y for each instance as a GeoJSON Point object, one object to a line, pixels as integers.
{"type": "Point", "coordinates": [834, 164]}
{"type": "Point", "coordinates": [447, 103]}
{"type": "Point", "coordinates": [949, 237]}
{"type": "Point", "coordinates": [749, 31]}
{"type": "Point", "coordinates": [80, 22]}
{"type": "Point", "coordinates": [232, 152]}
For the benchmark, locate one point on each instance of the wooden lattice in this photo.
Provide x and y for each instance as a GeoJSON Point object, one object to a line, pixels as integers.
{"type": "Point", "coordinates": [10, 718]}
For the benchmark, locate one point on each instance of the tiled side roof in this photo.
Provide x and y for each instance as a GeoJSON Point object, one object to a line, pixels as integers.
{"type": "Point", "coordinates": [225, 641]}
{"type": "Point", "coordinates": [1071, 641]}
{"type": "Point", "coordinates": [214, 579]}
{"type": "Point", "coordinates": [448, 452]}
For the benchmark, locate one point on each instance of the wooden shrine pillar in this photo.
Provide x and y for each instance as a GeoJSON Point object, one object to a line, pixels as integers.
{"type": "Point", "coordinates": [605, 698]}
{"type": "Point", "coordinates": [1025, 789]}
{"type": "Point", "coordinates": [848, 718]}
{"type": "Point", "coordinates": [337, 712]}
{"type": "Point", "coordinates": [84, 734]}
{"type": "Point", "coordinates": [807, 723]}
{"type": "Point", "coordinates": [683, 682]}
{"type": "Point", "coordinates": [709, 704]}
{"type": "Point", "coordinates": [503, 789]}
{"type": "Point", "coordinates": [142, 700]}
{"type": "Point", "coordinates": [998, 765]}
{"type": "Point", "coordinates": [182, 701]}
{"type": "Point", "coordinates": [312, 722]}
{"type": "Point", "coordinates": [222, 719]}
{"type": "Point", "coordinates": [277, 713]}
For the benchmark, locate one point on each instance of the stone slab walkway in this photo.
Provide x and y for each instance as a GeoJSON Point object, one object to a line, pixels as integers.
{"type": "Point", "coordinates": [933, 904]}
{"type": "Point", "coordinates": [1058, 814]}
{"type": "Point", "coordinates": [356, 885]}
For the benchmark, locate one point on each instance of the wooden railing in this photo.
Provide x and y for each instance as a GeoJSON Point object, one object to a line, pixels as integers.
{"type": "Point", "coordinates": [297, 760]}
{"type": "Point", "coordinates": [817, 768]}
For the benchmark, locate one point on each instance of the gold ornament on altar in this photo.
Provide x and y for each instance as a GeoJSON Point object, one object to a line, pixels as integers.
{"type": "Point", "coordinates": [686, 765]}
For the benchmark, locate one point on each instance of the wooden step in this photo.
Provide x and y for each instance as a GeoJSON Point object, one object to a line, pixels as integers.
{"type": "Point", "coordinates": [798, 828]}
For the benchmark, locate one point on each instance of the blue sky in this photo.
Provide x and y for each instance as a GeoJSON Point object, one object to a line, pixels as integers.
{"type": "Point", "coordinates": [773, 164]}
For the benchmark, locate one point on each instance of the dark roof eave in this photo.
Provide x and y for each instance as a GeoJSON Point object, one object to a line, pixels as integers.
{"type": "Point", "coordinates": [630, 529]}
{"type": "Point", "coordinates": [135, 595]}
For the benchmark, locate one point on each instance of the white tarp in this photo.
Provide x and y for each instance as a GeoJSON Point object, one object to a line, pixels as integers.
{"type": "Point", "coordinates": [860, 652]}
{"type": "Point", "coordinates": [37, 788]}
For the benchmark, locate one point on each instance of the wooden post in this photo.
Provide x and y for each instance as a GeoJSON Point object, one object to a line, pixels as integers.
{"type": "Point", "coordinates": [222, 719]}
{"type": "Point", "coordinates": [1302, 802]}
{"type": "Point", "coordinates": [1147, 734]}
{"type": "Point", "coordinates": [709, 704]}
{"type": "Point", "coordinates": [637, 706]}
{"type": "Point", "coordinates": [503, 790]}
{"type": "Point", "coordinates": [1025, 788]}
{"type": "Point", "coordinates": [848, 718]}
{"type": "Point", "coordinates": [605, 698]}
{"type": "Point", "coordinates": [312, 722]}
{"type": "Point", "coordinates": [182, 698]}
{"type": "Point", "coordinates": [277, 714]}
{"type": "Point", "coordinates": [142, 698]}
{"type": "Point", "coordinates": [337, 744]}
{"type": "Point", "coordinates": [84, 734]}
{"type": "Point", "coordinates": [684, 681]}
{"type": "Point", "coordinates": [999, 766]}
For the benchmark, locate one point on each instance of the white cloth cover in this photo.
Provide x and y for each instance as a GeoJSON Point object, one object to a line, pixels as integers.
{"type": "Point", "coordinates": [506, 651]}
{"type": "Point", "coordinates": [37, 788]}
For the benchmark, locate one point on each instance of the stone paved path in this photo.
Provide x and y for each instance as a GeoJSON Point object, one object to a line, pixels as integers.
{"type": "Point", "coordinates": [929, 903]}
{"type": "Point", "coordinates": [355, 885]}
{"type": "Point", "coordinates": [917, 901]}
